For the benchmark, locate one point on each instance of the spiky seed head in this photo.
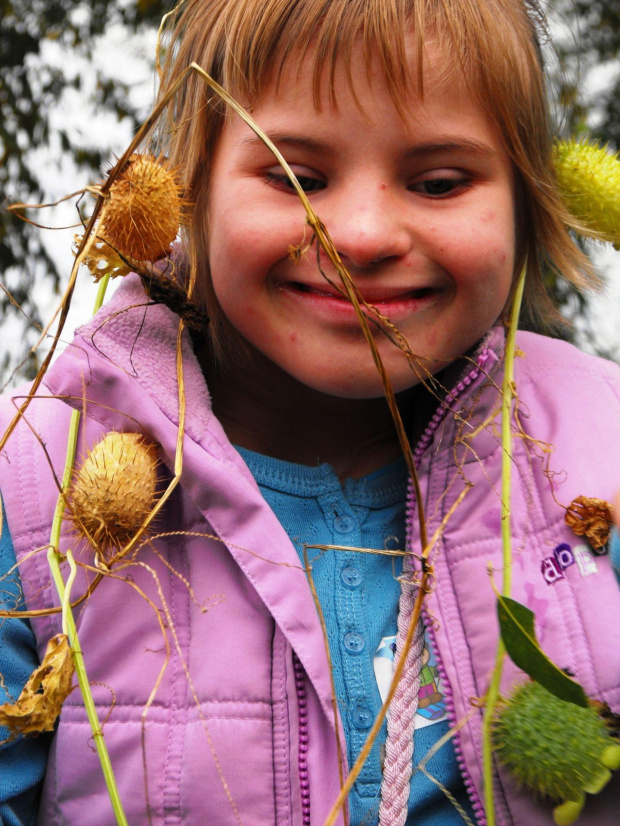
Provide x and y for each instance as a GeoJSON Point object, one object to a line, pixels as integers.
{"type": "Point", "coordinates": [115, 490]}
{"type": "Point", "coordinates": [589, 179]}
{"type": "Point", "coordinates": [143, 210]}
{"type": "Point", "coordinates": [554, 748]}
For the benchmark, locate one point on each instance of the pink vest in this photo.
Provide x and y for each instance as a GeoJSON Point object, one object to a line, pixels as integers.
{"type": "Point", "coordinates": [250, 738]}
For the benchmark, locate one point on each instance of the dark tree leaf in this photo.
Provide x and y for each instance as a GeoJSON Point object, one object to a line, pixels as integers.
{"type": "Point", "coordinates": [517, 630]}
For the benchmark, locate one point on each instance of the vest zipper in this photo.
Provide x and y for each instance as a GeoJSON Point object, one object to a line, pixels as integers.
{"type": "Point", "coordinates": [302, 750]}
{"type": "Point", "coordinates": [420, 448]}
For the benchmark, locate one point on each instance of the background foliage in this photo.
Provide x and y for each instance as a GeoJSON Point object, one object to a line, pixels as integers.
{"type": "Point", "coordinates": [584, 74]}
{"type": "Point", "coordinates": [586, 41]}
{"type": "Point", "coordinates": [30, 89]}
{"type": "Point", "coordinates": [591, 40]}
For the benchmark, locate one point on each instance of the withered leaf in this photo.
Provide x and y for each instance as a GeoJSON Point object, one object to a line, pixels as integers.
{"type": "Point", "coordinates": [47, 688]}
{"type": "Point", "coordinates": [591, 518]}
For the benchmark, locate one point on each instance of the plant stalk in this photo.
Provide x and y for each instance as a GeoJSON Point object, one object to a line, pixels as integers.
{"type": "Point", "coordinates": [64, 592]}
{"type": "Point", "coordinates": [508, 395]}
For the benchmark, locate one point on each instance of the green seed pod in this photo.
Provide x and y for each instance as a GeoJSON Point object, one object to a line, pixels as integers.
{"type": "Point", "coordinates": [589, 179]}
{"type": "Point", "coordinates": [554, 748]}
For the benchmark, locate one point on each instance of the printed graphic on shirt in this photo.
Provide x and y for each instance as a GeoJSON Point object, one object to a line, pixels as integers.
{"type": "Point", "coordinates": [431, 706]}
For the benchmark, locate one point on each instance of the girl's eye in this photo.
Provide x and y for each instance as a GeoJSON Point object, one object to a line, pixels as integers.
{"type": "Point", "coordinates": [439, 187]}
{"type": "Point", "coordinates": [307, 182]}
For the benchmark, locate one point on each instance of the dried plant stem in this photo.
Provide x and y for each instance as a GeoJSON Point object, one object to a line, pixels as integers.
{"type": "Point", "coordinates": [319, 609]}
{"type": "Point", "coordinates": [88, 238]}
{"type": "Point", "coordinates": [69, 628]}
{"type": "Point", "coordinates": [376, 726]}
{"type": "Point", "coordinates": [178, 456]}
{"type": "Point", "coordinates": [323, 238]}
{"type": "Point", "coordinates": [421, 766]}
{"type": "Point", "coordinates": [63, 310]}
{"type": "Point", "coordinates": [508, 395]}
{"type": "Point", "coordinates": [160, 33]}
{"type": "Point", "coordinates": [165, 611]}
{"type": "Point", "coordinates": [423, 589]}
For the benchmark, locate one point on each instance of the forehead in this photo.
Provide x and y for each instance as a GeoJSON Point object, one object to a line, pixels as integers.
{"type": "Point", "coordinates": [416, 66]}
{"type": "Point", "coordinates": [364, 83]}
{"type": "Point", "coordinates": [357, 121]}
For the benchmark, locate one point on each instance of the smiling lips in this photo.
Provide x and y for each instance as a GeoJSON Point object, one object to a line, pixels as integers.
{"type": "Point", "coordinates": [385, 300]}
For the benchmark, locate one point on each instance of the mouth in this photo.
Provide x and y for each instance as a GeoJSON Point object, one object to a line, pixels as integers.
{"type": "Point", "coordinates": [388, 301]}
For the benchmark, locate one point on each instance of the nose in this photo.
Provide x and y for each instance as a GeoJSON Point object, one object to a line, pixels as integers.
{"type": "Point", "coordinates": [370, 227]}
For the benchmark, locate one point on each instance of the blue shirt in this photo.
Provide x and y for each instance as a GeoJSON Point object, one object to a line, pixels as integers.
{"type": "Point", "coordinates": [614, 550]}
{"type": "Point", "coordinates": [358, 593]}
{"type": "Point", "coordinates": [22, 761]}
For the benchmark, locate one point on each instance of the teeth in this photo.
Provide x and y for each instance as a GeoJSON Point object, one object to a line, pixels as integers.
{"type": "Point", "coordinates": [329, 295]}
{"type": "Point", "coordinates": [304, 288]}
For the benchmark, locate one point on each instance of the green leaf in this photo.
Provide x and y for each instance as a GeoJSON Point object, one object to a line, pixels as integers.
{"type": "Point", "coordinates": [517, 630]}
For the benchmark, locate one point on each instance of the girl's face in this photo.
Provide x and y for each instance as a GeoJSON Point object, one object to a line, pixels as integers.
{"type": "Point", "coordinates": [422, 213]}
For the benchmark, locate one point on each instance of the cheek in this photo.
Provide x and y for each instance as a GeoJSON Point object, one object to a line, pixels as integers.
{"type": "Point", "coordinates": [249, 241]}
{"type": "Point", "coordinates": [234, 237]}
{"type": "Point", "coordinates": [485, 254]}
{"type": "Point", "coordinates": [234, 261]}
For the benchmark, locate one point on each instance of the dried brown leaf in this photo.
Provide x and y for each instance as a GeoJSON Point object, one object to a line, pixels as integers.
{"type": "Point", "coordinates": [591, 518]}
{"type": "Point", "coordinates": [49, 685]}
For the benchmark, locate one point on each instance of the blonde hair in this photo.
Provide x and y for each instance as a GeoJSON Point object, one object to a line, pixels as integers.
{"type": "Point", "coordinates": [246, 44]}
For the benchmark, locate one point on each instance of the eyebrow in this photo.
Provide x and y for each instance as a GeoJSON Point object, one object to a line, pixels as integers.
{"type": "Point", "coordinates": [282, 139]}
{"type": "Point", "coordinates": [421, 150]}
{"type": "Point", "coordinates": [468, 145]}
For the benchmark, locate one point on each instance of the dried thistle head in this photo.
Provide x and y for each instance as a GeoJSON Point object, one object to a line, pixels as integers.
{"type": "Point", "coordinates": [114, 491]}
{"type": "Point", "coordinates": [591, 518]}
{"type": "Point", "coordinates": [588, 176]}
{"type": "Point", "coordinates": [38, 706]}
{"type": "Point", "coordinates": [144, 210]}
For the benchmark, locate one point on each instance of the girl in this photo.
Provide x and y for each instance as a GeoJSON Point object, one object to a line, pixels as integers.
{"type": "Point", "coordinates": [419, 133]}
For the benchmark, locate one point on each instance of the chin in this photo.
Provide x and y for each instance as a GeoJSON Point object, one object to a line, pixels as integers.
{"type": "Point", "coordinates": [348, 385]}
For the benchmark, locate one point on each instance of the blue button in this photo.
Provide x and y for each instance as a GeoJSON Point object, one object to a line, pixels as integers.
{"type": "Point", "coordinates": [354, 642]}
{"type": "Point", "coordinates": [362, 717]}
{"type": "Point", "coordinates": [351, 576]}
{"type": "Point", "coordinates": [344, 524]}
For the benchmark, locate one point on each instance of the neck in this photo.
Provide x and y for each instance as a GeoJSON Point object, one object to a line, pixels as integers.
{"type": "Point", "coordinates": [264, 409]}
